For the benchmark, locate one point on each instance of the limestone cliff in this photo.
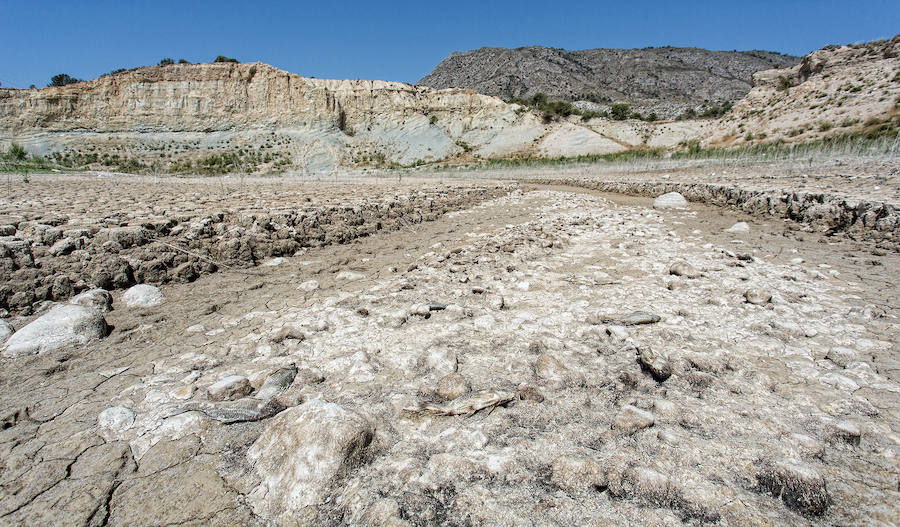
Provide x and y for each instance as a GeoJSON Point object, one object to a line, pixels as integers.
{"type": "Point", "coordinates": [225, 117]}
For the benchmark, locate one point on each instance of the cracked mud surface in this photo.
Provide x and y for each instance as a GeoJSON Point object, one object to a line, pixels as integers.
{"type": "Point", "coordinates": [478, 370]}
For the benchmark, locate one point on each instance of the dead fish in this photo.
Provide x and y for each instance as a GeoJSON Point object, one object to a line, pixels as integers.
{"type": "Point", "coordinates": [470, 403]}
{"type": "Point", "coordinates": [240, 411]}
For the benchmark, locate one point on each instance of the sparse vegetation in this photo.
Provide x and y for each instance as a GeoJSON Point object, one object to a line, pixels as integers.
{"type": "Point", "coordinates": [223, 58]}
{"type": "Point", "coordinates": [62, 79]}
{"type": "Point", "coordinates": [166, 61]}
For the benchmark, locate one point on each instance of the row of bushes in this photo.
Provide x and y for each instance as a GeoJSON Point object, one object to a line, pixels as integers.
{"type": "Point", "coordinates": [64, 79]}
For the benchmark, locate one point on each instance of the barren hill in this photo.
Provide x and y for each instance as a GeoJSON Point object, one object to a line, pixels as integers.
{"type": "Point", "coordinates": [667, 79]}
{"type": "Point", "coordinates": [835, 90]}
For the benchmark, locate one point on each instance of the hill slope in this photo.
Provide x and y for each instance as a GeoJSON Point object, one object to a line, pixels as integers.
{"type": "Point", "coordinates": [667, 80]}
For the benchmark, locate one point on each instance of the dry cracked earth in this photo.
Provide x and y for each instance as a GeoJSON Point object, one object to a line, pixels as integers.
{"type": "Point", "coordinates": [548, 356]}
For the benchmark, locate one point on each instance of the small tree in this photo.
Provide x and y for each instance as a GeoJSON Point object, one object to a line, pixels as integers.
{"type": "Point", "coordinates": [62, 80]}
{"type": "Point", "coordinates": [619, 112]}
{"type": "Point", "coordinates": [166, 62]}
{"type": "Point", "coordinates": [182, 61]}
{"type": "Point", "coordinates": [223, 58]}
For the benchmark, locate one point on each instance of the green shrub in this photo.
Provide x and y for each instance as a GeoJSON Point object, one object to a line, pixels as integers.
{"type": "Point", "coordinates": [433, 119]}
{"type": "Point", "coordinates": [619, 112]}
{"type": "Point", "coordinates": [182, 61]}
{"type": "Point", "coordinates": [166, 62]}
{"type": "Point", "coordinates": [223, 58]}
{"type": "Point", "coordinates": [784, 83]}
{"type": "Point", "coordinates": [62, 79]}
{"type": "Point", "coordinates": [16, 152]}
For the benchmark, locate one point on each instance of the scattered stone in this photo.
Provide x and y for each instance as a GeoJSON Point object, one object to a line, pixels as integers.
{"type": "Point", "coordinates": [277, 382]}
{"type": "Point", "coordinates": [846, 432]}
{"type": "Point", "coordinates": [185, 392]}
{"type": "Point", "coordinates": [670, 200]}
{"type": "Point", "coordinates": [757, 297]}
{"type": "Point", "coordinates": [289, 332]}
{"type": "Point", "coordinates": [631, 419]}
{"type": "Point", "coordinates": [229, 388]}
{"type": "Point", "coordinates": [63, 247]}
{"type": "Point", "coordinates": [684, 269]}
{"type": "Point", "coordinates": [841, 356]}
{"type": "Point", "coordinates": [436, 306]}
{"type": "Point", "coordinates": [549, 368]}
{"type": "Point", "coordinates": [452, 386]}
{"type": "Point", "coordinates": [740, 227]}
{"type": "Point", "coordinates": [309, 286]}
{"type": "Point", "coordinates": [5, 331]}
{"type": "Point", "coordinates": [97, 298]}
{"type": "Point", "coordinates": [577, 474]}
{"type": "Point", "coordinates": [478, 290]}
{"type": "Point", "coordinates": [64, 325]}
{"type": "Point", "coordinates": [303, 453]}
{"type": "Point", "coordinates": [655, 363]}
{"type": "Point", "coordinates": [530, 393]}
{"type": "Point", "coordinates": [421, 310]}
{"type": "Point", "coordinates": [116, 418]}
{"type": "Point", "coordinates": [800, 487]}
{"type": "Point", "coordinates": [637, 318]}
{"type": "Point", "coordinates": [142, 295]}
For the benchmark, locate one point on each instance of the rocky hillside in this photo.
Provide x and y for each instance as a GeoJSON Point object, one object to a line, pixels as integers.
{"type": "Point", "coordinates": [665, 80]}
{"type": "Point", "coordinates": [227, 117]}
{"type": "Point", "coordinates": [833, 91]}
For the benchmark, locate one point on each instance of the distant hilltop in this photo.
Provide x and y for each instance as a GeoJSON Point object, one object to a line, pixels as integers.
{"type": "Point", "coordinates": [668, 81]}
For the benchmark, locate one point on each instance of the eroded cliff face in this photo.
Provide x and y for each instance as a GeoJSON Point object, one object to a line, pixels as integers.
{"type": "Point", "coordinates": [226, 117]}
{"type": "Point", "coordinates": [833, 91]}
{"type": "Point", "coordinates": [180, 113]}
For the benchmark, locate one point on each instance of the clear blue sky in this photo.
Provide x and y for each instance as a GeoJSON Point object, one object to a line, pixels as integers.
{"type": "Point", "coordinates": [400, 40]}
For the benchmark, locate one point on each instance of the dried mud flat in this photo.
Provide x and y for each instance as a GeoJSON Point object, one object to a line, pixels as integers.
{"type": "Point", "coordinates": [533, 356]}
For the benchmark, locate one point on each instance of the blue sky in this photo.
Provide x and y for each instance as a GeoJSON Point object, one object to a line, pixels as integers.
{"type": "Point", "coordinates": [399, 40]}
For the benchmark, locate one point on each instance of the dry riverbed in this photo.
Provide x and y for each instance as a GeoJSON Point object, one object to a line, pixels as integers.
{"type": "Point", "coordinates": [545, 356]}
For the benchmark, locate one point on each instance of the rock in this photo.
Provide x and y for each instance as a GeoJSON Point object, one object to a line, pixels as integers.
{"type": "Point", "coordinates": [301, 455]}
{"type": "Point", "coordinates": [185, 392]}
{"type": "Point", "coordinates": [530, 393]}
{"type": "Point", "coordinates": [63, 325]}
{"type": "Point", "coordinates": [684, 269]}
{"type": "Point", "coordinates": [452, 386]}
{"type": "Point", "coordinates": [740, 227]}
{"type": "Point", "coordinates": [637, 318]}
{"type": "Point", "coordinates": [116, 418]}
{"type": "Point", "coordinates": [549, 368]}
{"type": "Point", "coordinates": [142, 295]}
{"type": "Point", "coordinates": [277, 382]}
{"type": "Point", "coordinates": [800, 487]}
{"type": "Point", "coordinates": [289, 333]}
{"type": "Point", "coordinates": [841, 356]}
{"type": "Point", "coordinates": [655, 363]}
{"type": "Point", "coordinates": [309, 286]}
{"type": "Point", "coordinates": [757, 297]}
{"type": "Point", "coordinates": [63, 247]}
{"type": "Point", "coordinates": [577, 474]}
{"type": "Point", "coordinates": [5, 331]}
{"type": "Point", "coordinates": [845, 431]}
{"type": "Point", "coordinates": [631, 419]}
{"type": "Point", "coordinates": [230, 388]}
{"type": "Point", "coordinates": [99, 299]}
{"type": "Point", "coordinates": [670, 200]}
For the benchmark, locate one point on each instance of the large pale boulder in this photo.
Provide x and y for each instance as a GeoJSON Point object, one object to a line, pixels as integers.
{"type": "Point", "coordinates": [301, 455]}
{"type": "Point", "coordinates": [670, 200]}
{"type": "Point", "coordinates": [142, 295]}
{"type": "Point", "coordinates": [5, 330]}
{"type": "Point", "coordinates": [63, 325]}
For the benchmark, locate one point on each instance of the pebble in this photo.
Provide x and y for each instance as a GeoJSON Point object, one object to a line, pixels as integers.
{"type": "Point", "coordinates": [452, 386]}
{"type": "Point", "coordinates": [684, 269]}
{"type": "Point", "coordinates": [229, 388]}
{"type": "Point", "coordinates": [656, 364]}
{"type": "Point", "coordinates": [631, 419]}
{"type": "Point", "coordinates": [841, 356]}
{"type": "Point", "coordinates": [309, 286]}
{"type": "Point", "coordinates": [530, 393]}
{"type": "Point", "coordinates": [116, 418]}
{"type": "Point", "coordinates": [740, 227]}
{"type": "Point", "coordinates": [757, 296]}
{"type": "Point", "coordinates": [5, 331]}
